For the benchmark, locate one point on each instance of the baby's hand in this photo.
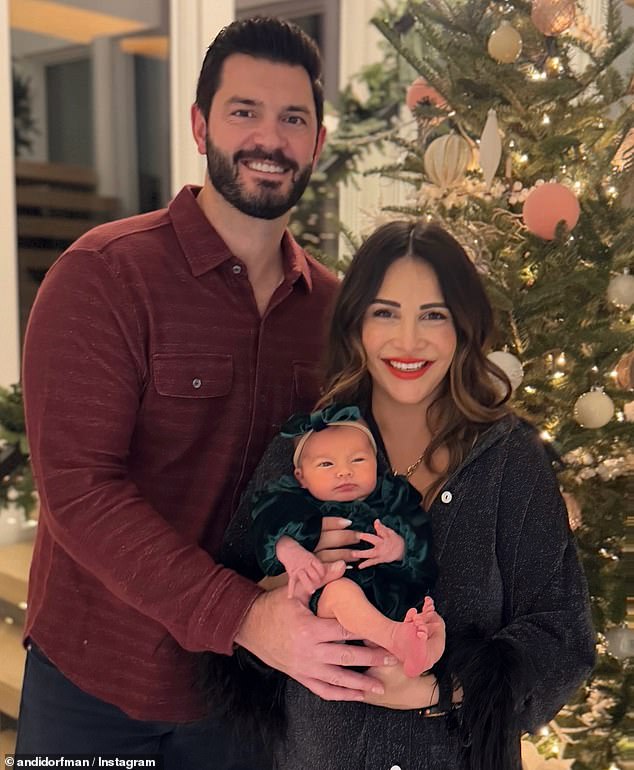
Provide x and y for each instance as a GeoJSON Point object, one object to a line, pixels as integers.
{"type": "Point", "coordinates": [387, 546]}
{"type": "Point", "coordinates": [303, 567]}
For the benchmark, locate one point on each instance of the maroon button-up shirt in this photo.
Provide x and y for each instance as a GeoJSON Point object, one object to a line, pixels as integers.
{"type": "Point", "coordinates": [152, 386]}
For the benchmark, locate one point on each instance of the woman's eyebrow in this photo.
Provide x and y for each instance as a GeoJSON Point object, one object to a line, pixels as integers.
{"type": "Point", "coordinates": [391, 303]}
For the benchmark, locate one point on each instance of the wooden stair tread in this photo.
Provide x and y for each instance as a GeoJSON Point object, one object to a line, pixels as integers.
{"type": "Point", "coordinates": [12, 656]}
{"type": "Point", "coordinates": [39, 196]}
{"type": "Point", "coordinates": [52, 228]}
{"type": "Point", "coordinates": [7, 741]}
{"type": "Point", "coordinates": [15, 562]}
{"type": "Point", "coordinates": [56, 173]}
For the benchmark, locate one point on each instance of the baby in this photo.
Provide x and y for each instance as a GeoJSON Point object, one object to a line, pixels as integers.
{"type": "Point", "coordinates": [336, 475]}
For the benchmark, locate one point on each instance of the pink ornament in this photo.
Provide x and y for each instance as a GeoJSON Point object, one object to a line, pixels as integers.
{"type": "Point", "coordinates": [421, 91]}
{"type": "Point", "coordinates": [552, 17]}
{"type": "Point", "coordinates": [546, 206]}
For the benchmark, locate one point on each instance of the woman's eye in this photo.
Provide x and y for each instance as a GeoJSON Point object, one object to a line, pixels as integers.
{"type": "Point", "coordinates": [381, 312]}
{"type": "Point", "coordinates": [435, 315]}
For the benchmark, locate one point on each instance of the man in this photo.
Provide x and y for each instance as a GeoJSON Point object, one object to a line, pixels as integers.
{"type": "Point", "coordinates": [162, 354]}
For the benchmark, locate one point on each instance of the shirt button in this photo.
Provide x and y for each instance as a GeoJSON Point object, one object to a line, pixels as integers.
{"type": "Point", "coordinates": [236, 269]}
{"type": "Point", "coordinates": [395, 767]}
{"type": "Point", "coordinates": [446, 496]}
{"type": "Point", "coordinates": [197, 382]}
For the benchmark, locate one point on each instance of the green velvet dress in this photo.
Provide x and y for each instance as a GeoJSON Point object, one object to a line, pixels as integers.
{"type": "Point", "coordinates": [284, 508]}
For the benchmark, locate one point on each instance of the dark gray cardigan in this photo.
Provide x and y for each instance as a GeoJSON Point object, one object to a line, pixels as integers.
{"type": "Point", "coordinates": [510, 587]}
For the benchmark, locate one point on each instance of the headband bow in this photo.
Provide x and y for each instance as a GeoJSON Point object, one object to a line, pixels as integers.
{"type": "Point", "coordinates": [304, 425]}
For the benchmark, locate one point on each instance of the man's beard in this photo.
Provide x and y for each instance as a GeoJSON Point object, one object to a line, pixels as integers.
{"type": "Point", "coordinates": [266, 203]}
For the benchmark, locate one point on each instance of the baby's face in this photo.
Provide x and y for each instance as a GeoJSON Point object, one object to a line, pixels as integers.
{"type": "Point", "coordinates": [338, 464]}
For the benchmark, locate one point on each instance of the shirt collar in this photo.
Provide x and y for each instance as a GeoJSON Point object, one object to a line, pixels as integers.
{"type": "Point", "coordinates": [205, 250]}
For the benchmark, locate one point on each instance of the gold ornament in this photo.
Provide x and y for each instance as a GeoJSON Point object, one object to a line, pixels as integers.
{"type": "Point", "coordinates": [446, 160]}
{"type": "Point", "coordinates": [574, 510]}
{"type": "Point", "coordinates": [593, 409]}
{"type": "Point", "coordinates": [625, 371]}
{"type": "Point", "coordinates": [505, 44]}
{"type": "Point", "coordinates": [624, 156]}
{"type": "Point", "coordinates": [552, 17]}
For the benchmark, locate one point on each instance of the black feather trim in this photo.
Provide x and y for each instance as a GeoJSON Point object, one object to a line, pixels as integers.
{"type": "Point", "coordinates": [495, 677]}
{"type": "Point", "coordinates": [246, 693]}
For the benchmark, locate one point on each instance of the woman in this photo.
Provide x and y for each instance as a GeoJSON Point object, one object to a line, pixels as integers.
{"type": "Point", "coordinates": [408, 343]}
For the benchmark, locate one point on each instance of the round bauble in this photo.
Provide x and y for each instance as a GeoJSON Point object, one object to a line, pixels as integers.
{"type": "Point", "coordinates": [621, 290]}
{"type": "Point", "coordinates": [505, 44]}
{"type": "Point", "coordinates": [510, 365]}
{"type": "Point", "coordinates": [620, 642]}
{"type": "Point", "coordinates": [546, 206]}
{"type": "Point", "coordinates": [421, 91]}
{"type": "Point", "coordinates": [625, 371]}
{"type": "Point", "coordinates": [552, 17]}
{"type": "Point", "coordinates": [446, 159]}
{"type": "Point", "coordinates": [593, 409]}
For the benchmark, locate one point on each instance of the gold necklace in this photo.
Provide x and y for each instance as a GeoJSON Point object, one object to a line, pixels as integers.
{"type": "Point", "coordinates": [411, 468]}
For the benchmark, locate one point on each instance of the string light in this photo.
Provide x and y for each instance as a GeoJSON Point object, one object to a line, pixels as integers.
{"type": "Point", "coordinates": [561, 359]}
{"type": "Point", "coordinates": [545, 436]}
{"type": "Point", "coordinates": [545, 120]}
{"type": "Point", "coordinates": [530, 389]}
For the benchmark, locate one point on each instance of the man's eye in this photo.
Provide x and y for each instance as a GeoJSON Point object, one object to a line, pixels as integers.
{"type": "Point", "coordinates": [296, 120]}
{"type": "Point", "coordinates": [243, 113]}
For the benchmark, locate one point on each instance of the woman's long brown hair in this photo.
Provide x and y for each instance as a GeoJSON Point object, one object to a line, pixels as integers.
{"type": "Point", "coordinates": [475, 392]}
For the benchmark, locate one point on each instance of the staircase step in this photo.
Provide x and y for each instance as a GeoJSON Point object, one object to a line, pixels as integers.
{"type": "Point", "coordinates": [15, 561]}
{"type": "Point", "coordinates": [7, 741]}
{"type": "Point", "coordinates": [12, 656]}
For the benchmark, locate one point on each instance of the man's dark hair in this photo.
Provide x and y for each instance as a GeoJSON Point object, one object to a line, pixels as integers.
{"type": "Point", "coordinates": [262, 37]}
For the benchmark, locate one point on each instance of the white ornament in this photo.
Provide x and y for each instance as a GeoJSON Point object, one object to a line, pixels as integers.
{"type": "Point", "coordinates": [621, 290]}
{"type": "Point", "coordinates": [510, 365]}
{"type": "Point", "coordinates": [593, 409]}
{"type": "Point", "coordinates": [490, 148]}
{"type": "Point", "coordinates": [446, 160]}
{"type": "Point", "coordinates": [620, 642]}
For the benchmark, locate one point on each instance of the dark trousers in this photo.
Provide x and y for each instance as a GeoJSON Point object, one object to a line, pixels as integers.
{"type": "Point", "coordinates": [57, 717]}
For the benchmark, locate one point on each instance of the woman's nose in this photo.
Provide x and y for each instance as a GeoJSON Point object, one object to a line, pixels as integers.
{"type": "Point", "coordinates": [408, 336]}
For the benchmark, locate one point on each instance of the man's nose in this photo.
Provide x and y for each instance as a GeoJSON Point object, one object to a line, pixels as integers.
{"type": "Point", "coordinates": [268, 134]}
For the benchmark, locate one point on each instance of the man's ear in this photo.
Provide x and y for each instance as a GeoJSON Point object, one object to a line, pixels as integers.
{"type": "Point", "coordinates": [319, 145]}
{"type": "Point", "coordinates": [199, 129]}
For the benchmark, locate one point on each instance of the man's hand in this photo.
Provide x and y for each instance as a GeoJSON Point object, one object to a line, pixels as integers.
{"type": "Point", "coordinates": [286, 635]}
{"type": "Point", "coordinates": [387, 546]}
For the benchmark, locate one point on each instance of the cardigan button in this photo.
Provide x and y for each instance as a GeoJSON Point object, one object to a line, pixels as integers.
{"type": "Point", "coordinates": [236, 269]}
{"type": "Point", "coordinates": [395, 767]}
{"type": "Point", "coordinates": [446, 496]}
{"type": "Point", "coordinates": [197, 382]}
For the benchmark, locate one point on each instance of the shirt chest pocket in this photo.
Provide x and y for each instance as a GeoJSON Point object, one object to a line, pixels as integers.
{"type": "Point", "coordinates": [193, 375]}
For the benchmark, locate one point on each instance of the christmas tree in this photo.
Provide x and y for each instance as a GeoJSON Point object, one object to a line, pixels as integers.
{"type": "Point", "coordinates": [518, 137]}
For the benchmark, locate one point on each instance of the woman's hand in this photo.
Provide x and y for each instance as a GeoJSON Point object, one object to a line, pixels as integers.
{"type": "Point", "coordinates": [336, 539]}
{"type": "Point", "coordinates": [402, 692]}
